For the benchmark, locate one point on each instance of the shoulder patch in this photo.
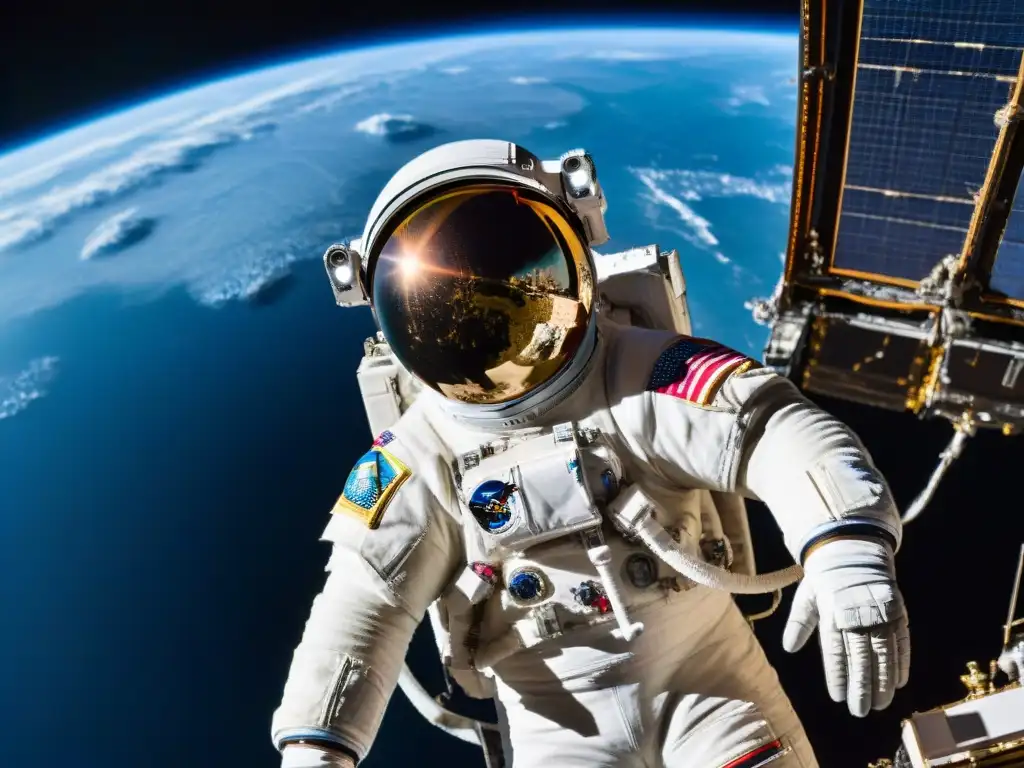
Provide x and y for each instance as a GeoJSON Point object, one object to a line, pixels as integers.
{"type": "Point", "coordinates": [371, 485]}
{"type": "Point", "coordinates": [695, 369]}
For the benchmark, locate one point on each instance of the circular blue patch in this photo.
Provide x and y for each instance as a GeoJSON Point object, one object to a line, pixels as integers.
{"type": "Point", "coordinates": [492, 505]}
{"type": "Point", "coordinates": [526, 586]}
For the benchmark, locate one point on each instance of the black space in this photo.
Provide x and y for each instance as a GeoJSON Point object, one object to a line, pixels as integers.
{"type": "Point", "coordinates": [60, 63]}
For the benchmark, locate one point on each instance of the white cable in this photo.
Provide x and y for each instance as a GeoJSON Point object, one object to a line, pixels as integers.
{"type": "Point", "coordinates": [946, 458]}
{"type": "Point", "coordinates": [601, 557]}
{"type": "Point", "coordinates": [693, 568]}
{"type": "Point", "coordinates": [633, 513]}
{"type": "Point", "coordinates": [456, 725]}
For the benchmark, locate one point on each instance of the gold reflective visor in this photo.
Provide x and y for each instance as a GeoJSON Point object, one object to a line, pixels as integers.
{"type": "Point", "coordinates": [484, 291]}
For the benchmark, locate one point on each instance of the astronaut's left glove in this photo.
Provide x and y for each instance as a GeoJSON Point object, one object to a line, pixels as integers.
{"type": "Point", "coordinates": [849, 593]}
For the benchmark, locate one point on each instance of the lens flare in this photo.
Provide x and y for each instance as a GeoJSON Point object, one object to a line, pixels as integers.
{"type": "Point", "coordinates": [410, 265]}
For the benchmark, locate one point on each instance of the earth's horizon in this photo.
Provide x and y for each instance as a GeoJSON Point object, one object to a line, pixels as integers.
{"type": "Point", "coordinates": [384, 40]}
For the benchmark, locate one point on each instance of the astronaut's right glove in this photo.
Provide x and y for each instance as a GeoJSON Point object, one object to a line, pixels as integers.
{"type": "Point", "coordinates": [308, 756]}
{"type": "Point", "coordinates": [1011, 660]}
{"type": "Point", "coordinates": [849, 593]}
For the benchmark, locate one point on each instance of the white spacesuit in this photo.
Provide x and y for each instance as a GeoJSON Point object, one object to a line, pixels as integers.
{"type": "Point", "coordinates": [566, 493]}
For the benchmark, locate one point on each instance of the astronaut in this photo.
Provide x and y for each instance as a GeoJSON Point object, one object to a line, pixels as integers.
{"type": "Point", "coordinates": [566, 495]}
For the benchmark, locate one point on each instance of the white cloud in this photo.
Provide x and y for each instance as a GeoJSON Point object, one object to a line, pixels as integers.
{"type": "Point", "coordinates": [327, 102]}
{"type": "Point", "coordinates": [697, 185]}
{"type": "Point", "coordinates": [19, 391]}
{"type": "Point", "coordinates": [554, 124]}
{"type": "Point", "coordinates": [385, 124]}
{"type": "Point", "coordinates": [748, 94]}
{"type": "Point", "coordinates": [699, 227]}
{"type": "Point", "coordinates": [239, 115]}
{"type": "Point", "coordinates": [182, 150]}
{"type": "Point", "coordinates": [455, 70]}
{"type": "Point", "coordinates": [674, 189]}
{"type": "Point", "coordinates": [52, 167]}
{"type": "Point", "coordinates": [521, 80]}
{"type": "Point", "coordinates": [120, 231]}
{"type": "Point", "coordinates": [624, 54]}
{"type": "Point", "coordinates": [31, 222]}
{"type": "Point", "coordinates": [245, 283]}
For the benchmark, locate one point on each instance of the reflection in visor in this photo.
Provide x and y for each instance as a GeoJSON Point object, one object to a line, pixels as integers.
{"type": "Point", "coordinates": [484, 292]}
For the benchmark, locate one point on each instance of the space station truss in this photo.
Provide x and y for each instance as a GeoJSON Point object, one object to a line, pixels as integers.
{"type": "Point", "coordinates": [904, 278]}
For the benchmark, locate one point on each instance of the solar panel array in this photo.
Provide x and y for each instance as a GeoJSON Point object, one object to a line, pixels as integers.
{"type": "Point", "coordinates": [931, 76]}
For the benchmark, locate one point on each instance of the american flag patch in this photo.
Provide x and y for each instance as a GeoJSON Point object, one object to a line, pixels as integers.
{"type": "Point", "coordinates": [694, 370]}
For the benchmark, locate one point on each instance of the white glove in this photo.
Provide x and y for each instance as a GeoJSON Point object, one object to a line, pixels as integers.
{"type": "Point", "coordinates": [1011, 661]}
{"type": "Point", "coordinates": [307, 756]}
{"type": "Point", "coordinates": [849, 592]}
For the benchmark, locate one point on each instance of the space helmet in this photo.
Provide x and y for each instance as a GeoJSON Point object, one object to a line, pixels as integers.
{"type": "Point", "coordinates": [476, 263]}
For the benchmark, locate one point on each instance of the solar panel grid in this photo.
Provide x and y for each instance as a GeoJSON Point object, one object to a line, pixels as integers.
{"type": "Point", "coordinates": [953, 212]}
{"type": "Point", "coordinates": [928, 54]}
{"type": "Point", "coordinates": [931, 75]}
{"type": "Point", "coordinates": [923, 133]}
{"type": "Point", "coordinates": [892, 247]}
{"type": "Point", "coordinates": [988, 22]}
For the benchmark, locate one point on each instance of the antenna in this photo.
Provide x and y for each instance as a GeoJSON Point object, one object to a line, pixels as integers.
{"type": "Point", "coordinates": [1010, 623]}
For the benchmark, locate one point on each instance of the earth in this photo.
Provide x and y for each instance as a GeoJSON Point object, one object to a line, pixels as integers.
{"type": "Point", "coordinates": [178, 402]}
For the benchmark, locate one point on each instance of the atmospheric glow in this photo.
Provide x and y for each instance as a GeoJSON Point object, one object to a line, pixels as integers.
{"type": "Point", "coordinates": [343, 274]}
